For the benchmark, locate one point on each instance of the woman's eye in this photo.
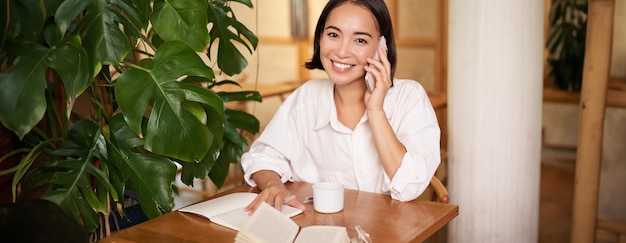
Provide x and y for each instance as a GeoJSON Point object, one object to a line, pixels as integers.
{"type": "Point", "coordinates": [333, 35]}
{"type": "Point", "coordinates": [361, 41]}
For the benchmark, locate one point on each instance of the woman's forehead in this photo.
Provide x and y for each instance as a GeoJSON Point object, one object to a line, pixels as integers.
{"type": "Point", "coordinates": [350, 17]}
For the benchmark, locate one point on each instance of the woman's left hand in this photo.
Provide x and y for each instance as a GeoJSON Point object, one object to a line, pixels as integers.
{"type": "Point", "coordinates": [381, 71]}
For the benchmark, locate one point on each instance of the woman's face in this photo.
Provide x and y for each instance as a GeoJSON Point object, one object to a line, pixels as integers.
{"type": "Point", "coordinates": [349, 38]}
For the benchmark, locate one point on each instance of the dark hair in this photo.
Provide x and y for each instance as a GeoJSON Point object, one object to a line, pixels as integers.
{"type": "Point", "coordinates": [380, 12]}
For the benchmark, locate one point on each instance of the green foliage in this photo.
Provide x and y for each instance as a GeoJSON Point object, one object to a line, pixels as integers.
{"type": "Point", "coordinates": [150, 108]}
{"type": "Point", "coordinates": [566, 42]}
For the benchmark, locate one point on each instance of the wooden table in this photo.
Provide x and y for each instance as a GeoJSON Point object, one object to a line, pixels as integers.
{"type": "Point", "coordinates": [386, 220]}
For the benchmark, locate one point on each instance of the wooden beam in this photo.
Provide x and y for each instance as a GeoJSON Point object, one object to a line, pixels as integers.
{"type": "Point", "coordinates": [615, 97]}
{"type": "Point", "coordinates": [592, 110]}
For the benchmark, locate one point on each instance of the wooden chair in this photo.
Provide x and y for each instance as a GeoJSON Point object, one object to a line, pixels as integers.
{"type": "Point", "coordinates": [440, 192]}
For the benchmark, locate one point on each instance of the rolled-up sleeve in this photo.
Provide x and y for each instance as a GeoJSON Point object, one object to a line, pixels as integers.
{"type": "Point", "coordinates": [274, 148]}
{"type": "Point", "coordinates": [264, 157]}
{"type": "Point", "coordinates": [418, 130]}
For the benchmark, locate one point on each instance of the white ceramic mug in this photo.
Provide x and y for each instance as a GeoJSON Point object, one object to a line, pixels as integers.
{"type": "Point", "coordinates": [328, 197]}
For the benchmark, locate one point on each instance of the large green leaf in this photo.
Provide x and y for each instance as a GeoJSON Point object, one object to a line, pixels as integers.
{"type": "Point", "coordinates": [183, 20]}
{"type": "Point", "coordinates": [68, 11]}
{"type": "Point", "coordinates": [71, 63]}
{"type": "Point", "coordinates": [22, 98]}
{"type": "Point", "coordinates": [100, 26]}
{"type": "Point", "coordinates": [219, 171]}
{"type": "Point", "coordinates": [22, 90]}
{"type": "Point", "coordinates": [149, 175]}
{"type": "Point", "coordinates": [133, 15]}
{"type": "Point", "coordinates": [190, 171]}
{"type": "Point", "coordinates": [242, 120]}
{"type": "Point", "coordinates": [172, 130]}
{"type": "Point", "coordinates": [241, 96]}
{"type": "Point", "coordinates": [229, 59]}
{"type": "Point", "coordinates": [202, 168]}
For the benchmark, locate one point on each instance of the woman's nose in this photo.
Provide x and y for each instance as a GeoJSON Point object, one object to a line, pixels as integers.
{"type": "Point", "coordinates": [343, 50]}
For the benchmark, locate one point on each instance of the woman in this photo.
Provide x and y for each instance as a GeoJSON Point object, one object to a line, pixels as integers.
{"type": "Point", "coordinates": [336, 129]}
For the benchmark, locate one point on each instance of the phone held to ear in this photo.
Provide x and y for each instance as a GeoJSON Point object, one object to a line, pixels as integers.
{"type": "Point", "coordinates": [369, 80]}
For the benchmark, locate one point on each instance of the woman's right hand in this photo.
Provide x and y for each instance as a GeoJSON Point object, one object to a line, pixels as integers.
{"type": "Point", "coordinates": [273, 192]}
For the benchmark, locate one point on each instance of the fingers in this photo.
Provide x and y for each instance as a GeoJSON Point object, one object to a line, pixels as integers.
{"type": "Point", "coordinates": [296, 204]}
{"type": "Point", "coordinates": [274, 198]}
{"type": "Point", "coordinates": [380, 69]}
{"type": "Point", "coordinates": [290, 201]}
{"type": "Point", "coordinates": [278, 202]}
{"type": "Point", "coordinates": [255, 204]}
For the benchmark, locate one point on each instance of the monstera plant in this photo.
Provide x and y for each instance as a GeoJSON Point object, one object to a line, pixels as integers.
{"type": "Point", "coordinates": [135, 66]}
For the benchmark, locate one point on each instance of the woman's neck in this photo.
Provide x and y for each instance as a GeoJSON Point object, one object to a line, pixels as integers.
{"type": "Point", "coordinates": [349, 104]}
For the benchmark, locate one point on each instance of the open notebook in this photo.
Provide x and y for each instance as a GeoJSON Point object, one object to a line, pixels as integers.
{"type": "Point", "coordinates": [267, 225]}
{"type": "Point", "coordinates": [228, 211]}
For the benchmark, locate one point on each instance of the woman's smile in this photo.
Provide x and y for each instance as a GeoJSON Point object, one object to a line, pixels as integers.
{"type": "Point", "coordinates": [342, 66]}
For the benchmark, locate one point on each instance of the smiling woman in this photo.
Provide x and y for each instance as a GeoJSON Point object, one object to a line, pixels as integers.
{"type": "Point", "coordinates": [335, 129]}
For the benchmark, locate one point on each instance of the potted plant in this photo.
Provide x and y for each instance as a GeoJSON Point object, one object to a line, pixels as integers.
{"type": "Point", "coordinates": [146, 108]}
{"type": "Point", "coordinates": [566, 42]}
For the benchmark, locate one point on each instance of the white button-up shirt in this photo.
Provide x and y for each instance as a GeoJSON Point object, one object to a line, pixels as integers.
{"type": "Point", "coordinates": [305, 141]}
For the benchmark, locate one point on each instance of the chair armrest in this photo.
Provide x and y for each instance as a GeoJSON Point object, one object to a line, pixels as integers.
{"type": "Point", "coordinates": [440, 190]}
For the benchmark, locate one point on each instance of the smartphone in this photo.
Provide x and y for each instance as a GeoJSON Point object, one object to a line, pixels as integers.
{"type": "Point", "coordinates": [369, 80]}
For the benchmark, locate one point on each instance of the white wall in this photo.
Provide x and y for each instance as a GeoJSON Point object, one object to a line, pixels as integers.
{"type": "Point", "coordinates": [494, 101]}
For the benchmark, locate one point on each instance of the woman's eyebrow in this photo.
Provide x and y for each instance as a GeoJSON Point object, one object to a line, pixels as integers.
{"type": "Point", "coordinates": [363, 33]}
{"type": "Point", "coordinates": [333, 27]}
{"type": "Point", "coordinates": [356, 33]}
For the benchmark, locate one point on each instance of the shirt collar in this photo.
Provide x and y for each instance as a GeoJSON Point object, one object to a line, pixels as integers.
{"type": "Point", "coordinates": [325, 108]}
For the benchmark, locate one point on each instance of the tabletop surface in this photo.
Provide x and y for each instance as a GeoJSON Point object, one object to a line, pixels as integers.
{"type": "Point", "coordinates": [386, 220]}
